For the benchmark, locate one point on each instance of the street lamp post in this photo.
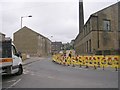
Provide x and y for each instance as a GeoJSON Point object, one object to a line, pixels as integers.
{"type": "Point", "coordinates": [24, 17]}
{"type": "Point", "coordinates": [51, 45]}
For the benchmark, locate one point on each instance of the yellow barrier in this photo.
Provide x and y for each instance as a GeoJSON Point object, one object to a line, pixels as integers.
{"type": "Point", "coordinates": [96, 61]}
{"type": "Point", "coordinates": [90, 61]}
{"type": "Point", "coordinates": [115, 62]}
{"type": "Point", "coordinates": [86, 61]}
{"type": "Point", "coordinates": [24, 56]}
{"type": "Point", "coordinates": [80, 61]}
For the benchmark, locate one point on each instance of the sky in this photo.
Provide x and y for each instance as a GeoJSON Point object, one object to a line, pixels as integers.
{"type": "Point", "coordinates": [57, 20]}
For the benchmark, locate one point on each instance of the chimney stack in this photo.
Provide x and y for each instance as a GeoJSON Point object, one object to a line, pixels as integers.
{"type": "Point", "coordinates": [81, 16]}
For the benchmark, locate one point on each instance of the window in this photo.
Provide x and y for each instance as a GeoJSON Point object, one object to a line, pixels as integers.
{"type": "Point", "coordinates": [85, 29]}
{"type": "Point", "coordinates": [87, 46]}
{"type": "Point", "coordinates": [90, 45]}
{"type": "Point", "coordinates": [106, 25]}
{"type": "Point", "coordinates": [106, 52]}
{"type": "Point", "coordinates": [89, 27]}
{"type": "Point", "coordinates": [119, 43]}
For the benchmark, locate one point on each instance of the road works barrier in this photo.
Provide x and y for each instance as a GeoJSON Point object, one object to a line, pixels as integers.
{"type": "Point", "coordinates": [96, 61]}
{"type": "Point", "coordinates": [24, 56]}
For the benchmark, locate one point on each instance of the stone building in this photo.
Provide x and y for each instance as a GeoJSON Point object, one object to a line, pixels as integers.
{"type": "Point", "coordinates": [66, 46]}
{"type": "Point", "coordinates": [32, 43]}
{"type": "Point", "coordinates": [2, 36]}
{"type": "Point", "coordinates": [101, 33]}
{"type": "Point", "coordinates": [56, 47]}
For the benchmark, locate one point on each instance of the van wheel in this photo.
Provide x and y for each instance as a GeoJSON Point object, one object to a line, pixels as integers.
{"type": "Point", "coordinates": [20, 71]}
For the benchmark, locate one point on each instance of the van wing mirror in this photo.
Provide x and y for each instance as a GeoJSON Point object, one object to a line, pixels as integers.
{"type": "Point", "coordinates": [20, 55]}
{"type": "Point", "coordinates": [17, 54]}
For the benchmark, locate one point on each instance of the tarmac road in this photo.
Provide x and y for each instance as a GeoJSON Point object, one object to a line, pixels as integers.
{"type": "Point", "coordinates": [43, 73]}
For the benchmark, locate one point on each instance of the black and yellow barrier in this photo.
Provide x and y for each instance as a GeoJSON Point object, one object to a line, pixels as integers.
{"type": "Point", "coordinates": [96, 61]}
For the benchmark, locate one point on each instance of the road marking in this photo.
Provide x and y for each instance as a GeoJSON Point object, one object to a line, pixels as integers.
{"type": "Point", "coordinates": [11, 81]}
{"type": "Point", "coordinates": [32, 74]}
{"type": "Point", "coordinates": [50, 77]}
{"type": "Point", "coordinates": [25, 71]}
{"type": "Point", "coordinates": [13, 84]}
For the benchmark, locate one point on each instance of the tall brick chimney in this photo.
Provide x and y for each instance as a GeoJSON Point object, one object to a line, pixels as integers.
{"type": "Point", "coordinates": [81, 16]}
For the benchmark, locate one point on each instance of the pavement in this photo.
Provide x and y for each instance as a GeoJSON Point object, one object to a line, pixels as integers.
{"type": "Point", "coordinates": [31, 60]}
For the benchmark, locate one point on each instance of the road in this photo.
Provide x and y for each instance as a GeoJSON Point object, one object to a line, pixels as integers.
{"type": "Point", "coordinates": [43, 73]}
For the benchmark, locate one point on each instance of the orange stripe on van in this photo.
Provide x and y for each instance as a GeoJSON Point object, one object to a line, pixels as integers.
{"type": "Point", "coordinates": [2, 60]}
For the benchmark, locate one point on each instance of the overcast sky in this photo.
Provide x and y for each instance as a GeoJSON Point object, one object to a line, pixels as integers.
{"type": "Point", "coordinates": [57, 18]}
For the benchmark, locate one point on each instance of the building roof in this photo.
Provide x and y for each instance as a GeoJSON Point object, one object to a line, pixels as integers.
{"type": "Point", "coordinates": [56, 42]}
{"type": "Point", "coordinates": [95, 14]}
{"type": "Point", "coordinates": [106, 8]}
{"type": "Point", "coordinates": [2, 34]}
{"type": "Point", "coordinates": [30, 30]}
{"type": "Point", "coordinates": [33, 32]}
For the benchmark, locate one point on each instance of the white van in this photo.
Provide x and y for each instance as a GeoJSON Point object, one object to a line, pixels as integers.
{"type": "Point", "coordinates": [10, 59]}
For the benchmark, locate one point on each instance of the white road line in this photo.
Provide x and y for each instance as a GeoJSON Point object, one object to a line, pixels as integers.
{"type": "Point", "coordinates": [25, 71]}
{"type": "Point", "coordinates": [50, 77]}
{"type": "Point", "coordinates": [11, 81]}
{"type": "Point", "coordinates": [13, 84]}
{"type": "Point", "coordinates": [32, 74]}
